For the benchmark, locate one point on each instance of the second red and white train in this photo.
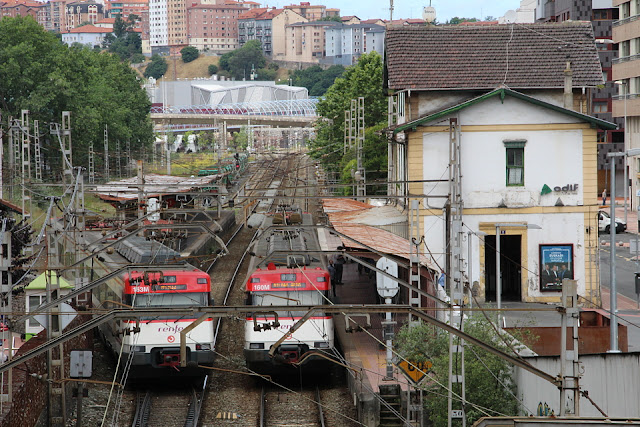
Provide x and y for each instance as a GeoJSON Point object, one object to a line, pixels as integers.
{"type": "Point", "coordinates": [282, 272]}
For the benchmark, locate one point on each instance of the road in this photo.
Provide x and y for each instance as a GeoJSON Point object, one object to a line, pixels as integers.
{"type": "Point", "coordinates": [626, 267]}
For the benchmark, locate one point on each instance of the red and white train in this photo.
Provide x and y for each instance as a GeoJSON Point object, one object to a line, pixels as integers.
{"type": "Point", "coordinates": [154, 348]}
{"type": "Point", "coordinates": [292, 278]}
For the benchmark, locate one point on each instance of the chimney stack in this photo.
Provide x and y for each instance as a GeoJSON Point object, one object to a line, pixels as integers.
{"type": "Point", "coordinates": [568, 87]}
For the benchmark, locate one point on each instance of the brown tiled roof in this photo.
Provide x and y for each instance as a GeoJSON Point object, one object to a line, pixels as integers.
{"type": "Point", "coordinates": [479, 57]}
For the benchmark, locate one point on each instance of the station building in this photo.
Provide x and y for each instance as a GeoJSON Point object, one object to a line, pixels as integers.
{"type": "Point", "coordinates": [516, 98]}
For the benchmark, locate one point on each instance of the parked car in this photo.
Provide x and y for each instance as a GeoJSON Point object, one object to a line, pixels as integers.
{"type": "Point", "coordinates": [604, 223]}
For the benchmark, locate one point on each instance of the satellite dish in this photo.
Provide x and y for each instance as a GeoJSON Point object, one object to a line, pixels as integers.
{"type": "Point", "coordinates": [429, 14]}
{"type": "Point", "coordinates": [510, 17]}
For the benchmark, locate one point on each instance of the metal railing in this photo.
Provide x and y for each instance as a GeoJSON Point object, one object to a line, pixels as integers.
{"type": "Point", "coordinates": [625, 20]}
{"type": "Point", "coordinates": [293, 107]}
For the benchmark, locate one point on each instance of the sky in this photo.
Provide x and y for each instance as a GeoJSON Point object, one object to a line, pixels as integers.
{"type": "Point", "coordinates": [445, 9]}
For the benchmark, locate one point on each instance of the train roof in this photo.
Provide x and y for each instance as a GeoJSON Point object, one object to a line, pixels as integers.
{"type": "Point", "coordinates": [139, 250]}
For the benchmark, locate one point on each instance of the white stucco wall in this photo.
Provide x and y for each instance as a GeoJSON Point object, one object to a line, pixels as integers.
{"type": "Point", "coordinates": [551, 157]}
{"type": "Point", "coordinates": [556, 228]}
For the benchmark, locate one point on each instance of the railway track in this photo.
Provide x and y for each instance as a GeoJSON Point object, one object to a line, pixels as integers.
{"type": "Point", "coordinates": [282, 408]}
{"type": "Point", "coordinates": [169, 408]}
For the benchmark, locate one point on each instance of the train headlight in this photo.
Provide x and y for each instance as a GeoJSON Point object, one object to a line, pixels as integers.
{"type": "Point", "coordinates": [256, 346]}
{"type": "Point", "coordinates": [321, 344]}
{"type": "Point", "coordinates": [203, 347]}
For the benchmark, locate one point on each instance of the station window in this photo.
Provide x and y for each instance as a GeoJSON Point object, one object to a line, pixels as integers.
{"type": "Point", "coordinates": [515, 163]}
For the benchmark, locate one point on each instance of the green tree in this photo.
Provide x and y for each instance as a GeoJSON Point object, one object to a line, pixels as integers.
{"type": "Point", "coordinates": [156, 68]}
{"type": "Point", "coordinates": [332, 19]}
{"type": "Point", "coordinates": [488, 378]}
{"type": "Point", "coordinates": [44, 76]}
{"type": "Point", "coordinates": [364, 79]}
{"type": "Point", "coordinates": [243, 59]}
{"type": "Point", "coordinates": [315, 79]}
{"type": "Point", "coordinates": [455, 20]}
{"type": "Point", "coordinates": [189, 54]}
{"type": "Point", "coordinates": [241, 139]}
{"type": "Point", "coordinates": [212, 69]}
{"type": "Point", "coordinates": [124, 41]}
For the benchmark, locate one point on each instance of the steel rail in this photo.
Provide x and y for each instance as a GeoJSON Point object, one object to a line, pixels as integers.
{"type": "Point", "coordinates": [262, 419]}
{"type": "Point", "coordinates": [320, 411]}
{"type": "Point", "coordinates": [143, 409]}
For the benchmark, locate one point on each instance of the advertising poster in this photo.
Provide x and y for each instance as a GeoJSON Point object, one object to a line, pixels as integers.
{"type": "Point", "coordinates": [556, 263]}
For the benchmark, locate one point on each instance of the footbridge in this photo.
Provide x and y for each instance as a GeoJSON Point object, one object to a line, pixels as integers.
{"type": "Point", "coordinates": [282, 113]}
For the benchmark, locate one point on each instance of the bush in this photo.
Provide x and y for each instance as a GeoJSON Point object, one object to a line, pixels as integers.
{"type": "Point", "coordinates": [213, 69]}
{"type": "Point", "coordinates": [137, 58]}
{"type": "Point", "coordinates": [189, 54]}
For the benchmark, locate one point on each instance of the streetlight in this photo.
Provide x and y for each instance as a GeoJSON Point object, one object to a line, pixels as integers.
{"type": "Point", "coordinates": [612, 234]}
{"type": "Point", "coordinates": [498, 276]}
{"type": "Point", "coordinates": [625, 90]}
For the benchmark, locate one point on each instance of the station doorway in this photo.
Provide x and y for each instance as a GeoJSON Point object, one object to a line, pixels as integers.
{"type": "Point", "coordinates": [510, 267]}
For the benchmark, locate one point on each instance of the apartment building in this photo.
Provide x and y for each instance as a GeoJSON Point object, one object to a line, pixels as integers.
{"type": "Point", "coordinates": [313, 12]}
{"type": "Point", "coordinates": [601, 14]}
{"type": "Point", "coordinates": [124, 8]}
{"type": "Point", "coordinates": [346, 43]}
{"type": "Point", "coordinates": [268, 26]}
{"type": "Point", "coordinates": [626, 71]}
{"type": "Point", "coordinates": [306, 41]}
{"type": "Point", "coordinates": [77, 13]}
{"type": "Point", "coordinates": [214, 27]}
{"type": "Point", "coordinates": [20, 8]}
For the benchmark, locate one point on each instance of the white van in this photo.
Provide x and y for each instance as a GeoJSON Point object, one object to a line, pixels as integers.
{"type": "Point", "coordinates": [604, 223]}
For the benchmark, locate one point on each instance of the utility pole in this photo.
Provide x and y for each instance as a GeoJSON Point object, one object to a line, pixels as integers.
{"type": "Point", "coordinates": [127, 166]}
{"type": "Point", "coordinates": [25, 163]}
{"type": "Point", "coordinates": [106, 153]}
{"type": "Point", "coordinates": [361, 187]}
{"type": "Point", "coordinates": [37, 150]}
{"type": "Point", "coordinates": [1, 158]}
{"type": "Point", "coordinates": [569, 363]}
{"type": "Point", "coordinates": [6, 262]}
{"type": "Point", "coordinates": [14, 153]}
{"type": "Point", "coordinates": [118, 163]}
{"type": "Point", "coordinates": [455, 276]}
{"type": "Point", "coordinates": [391, 150]}
{"type": "Point", "coordinates": [56, 410]}
{"type": "Point", "coordinates": [67, 158]}
{"type": "Point", "coordinates": [347, 130]}
{"type": "Point", "coordinates": [415, 299]}
{"type": "Point", "coordinates": [92, 167]}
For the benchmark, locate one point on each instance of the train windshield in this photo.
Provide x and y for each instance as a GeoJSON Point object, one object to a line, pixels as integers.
{"type": "Point", "coordinates": [189, 299]}
{"type": "Point", "coordinates": [291, 298]}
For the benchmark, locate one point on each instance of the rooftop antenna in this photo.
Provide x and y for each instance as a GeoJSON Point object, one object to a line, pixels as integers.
{"type": "Point", "coordinates": [390, 10]}
{"type": "Point", "coordinates": [429, 13]}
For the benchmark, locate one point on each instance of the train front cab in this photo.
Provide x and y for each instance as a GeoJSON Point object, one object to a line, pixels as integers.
{"type": "Point", "coordinates": [312, 344]}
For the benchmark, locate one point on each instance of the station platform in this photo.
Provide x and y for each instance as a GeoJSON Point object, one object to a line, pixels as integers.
{"type": "Point", "coordinates": [364, 350]}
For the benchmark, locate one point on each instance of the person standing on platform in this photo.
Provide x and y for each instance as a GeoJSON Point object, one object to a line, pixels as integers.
{"type": "Point", "coordinates": [338, 264]}
{"type": "Point", "coordinates": [604, 197]}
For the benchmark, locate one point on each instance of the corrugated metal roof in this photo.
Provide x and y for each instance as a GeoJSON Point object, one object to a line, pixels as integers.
{"type": "Point", "coordinates": [154, 184]}
{"type": "Point", "coordinates": [356, 219]}
{"type": "Point", "coordinates": [380, 240]}
{"type": "Point", "coordinates": [375, 215]}
{"type": "Point", "coordinates": [341, 205]}
{"type": "Point", "coordinates": [7, 204]}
